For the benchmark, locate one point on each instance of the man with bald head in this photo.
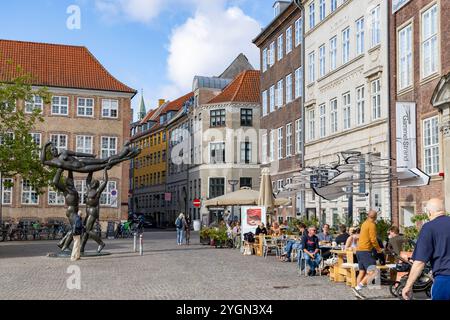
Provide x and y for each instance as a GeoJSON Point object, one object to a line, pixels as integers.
{"type": "Point", "coordinates": [364, 253]}
{"type": "Point", "coordinates": [433, 245]}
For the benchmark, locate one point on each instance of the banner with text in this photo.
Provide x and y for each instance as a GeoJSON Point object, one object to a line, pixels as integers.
{"type": "Point", "coordinates": [406, 136]}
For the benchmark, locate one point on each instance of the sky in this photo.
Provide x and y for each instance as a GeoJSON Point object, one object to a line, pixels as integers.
{"type": "Point", "coordinates": [154, 45]}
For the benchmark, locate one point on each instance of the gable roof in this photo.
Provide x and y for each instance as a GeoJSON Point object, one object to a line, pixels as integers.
{"type": "Point", "coordinates": [55, 65]}
{"type": "Point", "coordinates": [244, 88]}
{"type": "Point", "coordinates": [177, 104]}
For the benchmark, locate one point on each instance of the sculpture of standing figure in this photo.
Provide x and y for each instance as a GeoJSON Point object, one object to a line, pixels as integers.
{"type": "Point", "coordinates": [72, 201]}
{"type": "Point", "coordinates": [95, 190]}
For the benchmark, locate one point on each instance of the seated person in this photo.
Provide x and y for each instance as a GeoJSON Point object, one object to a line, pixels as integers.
{"type": "Point", "coordinates": [325, 238]}
{"type": "Point", "coordinates": [352, 240]}
{"type": "Point", "coordinates": [342, 237]}
{"type": "Point", "coordinates": [261, 229]}
{"type": "Point", "coordinates": [294, 244]}
{"type": "Point", "coordinates": [275, 230]}
{"type": "Point", "coordinates": [310, 244]}
{"type": "Point", "coordinates": [395, 241]}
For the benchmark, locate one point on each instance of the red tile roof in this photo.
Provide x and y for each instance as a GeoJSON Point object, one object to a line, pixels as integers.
{"type": "Point", "coordinates": [244, 88]}
{"type": "Point", "coordinates": [177, 104]}
{"type": "Point", "coordinates": [55, 65]}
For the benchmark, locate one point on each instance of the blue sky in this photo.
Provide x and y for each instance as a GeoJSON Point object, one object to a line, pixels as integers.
{"type": "Point", "coordinates": [157, 45]}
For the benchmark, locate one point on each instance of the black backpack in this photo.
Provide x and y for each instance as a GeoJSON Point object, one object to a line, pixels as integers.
{"type": "Point", "coordinates": [78, 226]}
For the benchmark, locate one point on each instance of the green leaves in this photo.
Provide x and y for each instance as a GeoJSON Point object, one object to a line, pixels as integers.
{"type": "Point", "coordinates": [19, 153]}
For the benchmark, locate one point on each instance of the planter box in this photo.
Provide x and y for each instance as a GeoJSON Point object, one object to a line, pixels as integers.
{"type": "Point", "coordinates": [205, 241]}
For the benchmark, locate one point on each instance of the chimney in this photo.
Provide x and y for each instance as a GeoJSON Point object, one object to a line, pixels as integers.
{"type": "Point", "coordinates": [161, 102]}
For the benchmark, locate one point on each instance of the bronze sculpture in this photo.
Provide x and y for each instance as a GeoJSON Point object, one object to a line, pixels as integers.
{"type": "Point", "coordinates": [83, 163]}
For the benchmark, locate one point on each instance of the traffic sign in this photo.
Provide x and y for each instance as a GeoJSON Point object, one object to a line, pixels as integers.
{"type": "Point", "coordinates": [114, 192]}
{"type": "Point", "coordinates": [196, 203]}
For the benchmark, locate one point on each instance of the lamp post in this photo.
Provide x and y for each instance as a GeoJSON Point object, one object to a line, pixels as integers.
{"type": "Point", "coordinates": [233, 183]}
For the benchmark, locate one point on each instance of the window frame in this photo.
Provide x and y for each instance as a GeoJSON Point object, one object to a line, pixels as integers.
{"type": "Point", "coordinates": [85, 107]}
{"type": "Point", "coordinates": [59, 105]}
{"type": "Point", "coordinates": [110, 108]}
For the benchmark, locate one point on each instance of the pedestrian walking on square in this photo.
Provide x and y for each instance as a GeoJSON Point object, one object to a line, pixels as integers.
{"type": "Point", "coordinates": [77, 232]}
{"type": "Point", "coordinates": [364, 253]}
{"type": "Point", "coordinates": [433, 245]}
{"type": "Point", "coordinates": [188, 229]}
{"type": "Point", "coordinates": [180, 224]}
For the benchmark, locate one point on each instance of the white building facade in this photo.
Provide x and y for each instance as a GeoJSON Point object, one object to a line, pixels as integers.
{"type": "Point", "coordinates": [347, 97]}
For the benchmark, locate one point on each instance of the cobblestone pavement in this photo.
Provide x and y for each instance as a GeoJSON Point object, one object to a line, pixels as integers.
{"type": "Point", "coordinates": [166, 271]}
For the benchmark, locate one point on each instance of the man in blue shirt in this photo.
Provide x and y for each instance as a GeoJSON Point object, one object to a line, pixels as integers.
{"type": "Point", "coordinates": [310, 245]}
{"type": "Point", "coordinates": [432, 245]}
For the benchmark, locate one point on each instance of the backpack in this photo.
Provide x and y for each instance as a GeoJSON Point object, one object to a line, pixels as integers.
{"type": "Point", "coordinates": [78, 226]}
{"type": "Point", "coordinates": [179, 223]}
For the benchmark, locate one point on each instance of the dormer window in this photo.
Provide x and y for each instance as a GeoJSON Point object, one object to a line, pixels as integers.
{"type": "Point", "coordinates": [276, 9]}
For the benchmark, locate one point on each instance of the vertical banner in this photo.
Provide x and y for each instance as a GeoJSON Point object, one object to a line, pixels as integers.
{"type": "Point", "coordinates": [406, 136]}
{"type": "Point", "coordinates": [251, 217]}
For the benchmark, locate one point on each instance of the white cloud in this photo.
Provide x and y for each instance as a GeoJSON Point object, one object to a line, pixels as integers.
{"type": "Point", "coordinates": [207, 43]}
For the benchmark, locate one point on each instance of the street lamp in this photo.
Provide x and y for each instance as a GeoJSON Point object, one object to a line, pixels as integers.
{"type": "Point", "coordinates": [233, 183]}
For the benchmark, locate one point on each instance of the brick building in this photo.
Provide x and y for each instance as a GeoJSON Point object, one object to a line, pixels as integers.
{"type": "Point", "coordinates": [281, 46]}
{"type": "Point", "coordinates": [419, 59]}
{"type": "Point", "coordinates": [90, 112]}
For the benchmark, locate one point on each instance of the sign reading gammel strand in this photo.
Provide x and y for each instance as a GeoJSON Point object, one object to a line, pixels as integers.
{"type": "Point", "coordinates": [406, 136]}
{"type": "Point", "coordinates": [397, 4]}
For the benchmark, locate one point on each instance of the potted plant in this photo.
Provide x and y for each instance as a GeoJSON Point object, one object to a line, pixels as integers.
{"type": "Point", "coordinates": [219, 237]}
{"type": "Point", "coordinates": [205, 235]}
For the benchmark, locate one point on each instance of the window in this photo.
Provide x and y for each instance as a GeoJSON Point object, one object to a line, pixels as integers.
{"type": "Point", "coordinates": [288, 40]}
{"type": "Point", "coordinates": [216, 187]}
{"type": "Point", "coordinates": [334, 115]}
{"type": "Point", "coordinates": [272, 145]}
{"type": "Point", "coordinates": [280, 185]}
{"type": "Point", "coordinates": [288, 88]}
{"type": "Point", "coordinates": [280, 143]}
{"type": "Point", "coordinates": [431, 145]}
{"type": "Point", "coordinates": [272, 98]}
{"type": "Point", "coordinates": [376, 32]}
{"type": "Point", "coordinates": [289, 140]}
{"type": "Point", "coordinates": [55, 198]}
{"type": "Point", "coordinates": [109, 146]}
{"type": "Point", "coordinates": [298, 82]}
{"type": "Point", "coordinates": [312, 124]}
{"type": "Point", "coordinates": [106, 199]}
{"type": "Point", "coordinates": [264, 60]}
{"type": "Point", "coordinates": [276, 9]}
{"type": "Point", "coordinates": [59, 141]}
{"type": "Point", "coordinates": [322, 9]}
{"type": "Point", "coordinates": [430, 54]}
{"type": "Point", "coordinates": [245, 182]}
{"type": "Point", "coordinates": [360, 36]}
{"type": "Point", "coordinates": [360, 105]}
{"type": "Point", "coordinates": [60, 105]}
{"type": "Point", "coordinates": [280, 94]}
{"type": "Point", "coordinates": [312, 67]}
{"type": "Point", "coordinates": [246, 152]}
{"type": "Point", "coordinates": [345, 45]}
{"type": "Point", "coordinates": [323, 120]}
{"type": "Point", "coordinates": [217, 152]}
{"type": "Point", "coordinates": [264, 103]}
{"type": "Point", "coordinates": [110, 108]}
{"type": "Point", "coordinates": [36, 138]}
{"type": "Point", "coordinates": [29, 196]}
{"type": "Point", "coordinates": [347, 110]}
{"type": "Point", "coordinates": [80, 185]}
{"type": "Point", "coordinates": [7, 190]}
{"type": "Point", "coordinates": [246, 117]}
{"type": "Point", "coordinates": [312, 16]}
{"type": "Point", "coordinates": [217, 118]}
{"type": "Point", "coordinates": [298, 31]}
{"type": "Point", "coordinates": [280, 47]}
{"type": "Point", "coordinates": [36, 102]}
{"type": "Point", "coordinates": [84, 144]}
{"type": "Point", "coordinates": [298, 136]}
{"type": "Point", "coordinates": [322, 61]}
{"type": "Point", "coordinates": [333, 53]}
{"type": "Point", "coordinates": [376, 99]}
{"type": "Point", "coordinates": [85, 107]}
{"type": "Point", "coordinates": [333, 5]}
{"type": "Point", "coordinates": [272, 54]}
{"type": "Point", "coordinates": [264, 148]}
{"type": "Point", "coordinates": [405, 57]}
